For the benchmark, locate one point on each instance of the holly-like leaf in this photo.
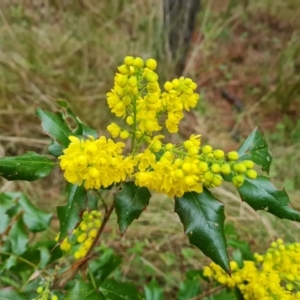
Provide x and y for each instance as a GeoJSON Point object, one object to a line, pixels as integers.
{"type": "Point", "coordinates": [54, 126]}
{"type": "Point", "coordinates": [189, 289]}
{"type": "Point", "coordinates": [30, 166]}
{"type": "Point", "coordinates": [35, 219]}
{"type": "Point", "coordinates": [82, 291]}
{"type": "Point", "coordinates": [203, 219]}
{"type": "Point", "coordinates": [69, 215]}
{"type": "Point", "coordinates": [255, 148]}
{"type": "Point", "coordinates": [153, 291]}
{"type": "Point", "coordinates": [18, 237]}
{"type": "Point", "coordinates": [261, 194]}
{"type": "Point", "coordinates": [130, 203]}
{"type": "Point", "coordinates": [113, 290]}
{"type": "Point", "coordinates": [81, 129]}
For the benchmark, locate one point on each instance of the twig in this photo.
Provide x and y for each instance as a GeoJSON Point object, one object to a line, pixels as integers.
{"type": "Point", "coordinates": [62, 279]}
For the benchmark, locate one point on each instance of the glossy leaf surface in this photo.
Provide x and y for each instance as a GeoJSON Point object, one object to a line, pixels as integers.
{"type": "Point", "coordinates": [30, 166]}
{"type": "Point", "coordinates": [130, 203]}
{"type": "Point", "coordinates": [203, 219]}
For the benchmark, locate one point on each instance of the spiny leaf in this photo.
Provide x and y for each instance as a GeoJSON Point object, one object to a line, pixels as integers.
{"type": "Point", "coordinates": [261, 194]}
{"type": "Point", "coordinates": [203, 219]}
{"type": "Point", "coordinates": [69, 215]}
{"type": "Point", "coordinates": [81, 129]}
{"type": "Point", "coordinates": [255, 148]}
{"type": "Point", "coordinates": [30, 166]}
{"type": "Point", "coordinates": [130, 203]}
{"type": "Point", "coordinates": [54, 126]}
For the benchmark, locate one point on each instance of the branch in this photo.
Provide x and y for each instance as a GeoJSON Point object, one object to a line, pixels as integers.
{"type": "Point", "coordinates": [62, 279]}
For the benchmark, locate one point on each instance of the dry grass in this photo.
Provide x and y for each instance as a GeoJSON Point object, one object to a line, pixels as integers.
{"type": "Point", "coordinates": [70, 50]}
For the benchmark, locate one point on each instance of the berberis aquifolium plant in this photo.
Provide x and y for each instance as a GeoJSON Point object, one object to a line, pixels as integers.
{"type": "Point", "coordinates": [186, 171]}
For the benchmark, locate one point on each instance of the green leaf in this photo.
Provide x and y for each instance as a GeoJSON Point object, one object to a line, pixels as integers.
{"type": "Point", "coordinates": [6, 203]}
{"type": "Point", "coordinates": [130, 203]}
{"type": "Point", "coordinates": [18, 237]}
{"type": "Point", "coordinates": [242, 246]}
{"type": "Point", "coordinates": [35, 219]}
{"type": "Point", "coordinates": [255, 148]}
{"type": "Point", "coordinates": [81, 129]}
{"type": "Point", "coordinates": [104, 265]}
{"type": "Point", "coordinates": [81, 291]}
{"type": "Point", "coordinates": [45, 257]}
{"type": "Point", "coordinates": [55, 149]}
{"type": "Point", "coordinates": [153, 291]}
{"type": "Point", "coordinates": [203, 219]}
{"type": "Point", "coordinates": [70, 215]}
{"type": "Point", "coordinates": [113, 290]}
{"type": "Point", "coordinates": [30, 166]}
{"type": "Point", "coordinates": [261, 194]}
{"type": "Point", "coordinates": [54, 126]}
{"type": "Point", "coordinates": [188, 289]}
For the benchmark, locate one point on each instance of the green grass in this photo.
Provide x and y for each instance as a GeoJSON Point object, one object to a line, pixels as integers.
{"type": "Point", "coordinates": [70, 50]}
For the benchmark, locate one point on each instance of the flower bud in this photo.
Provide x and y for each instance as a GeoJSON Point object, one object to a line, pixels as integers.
{"type": "Point", "coordinates": [168, 86]}
{"type": "Point", "coordinates": [122, 81]}
{"type": "Point", "coordinates": [207, 149]}
{"type": "Point", "coordinates": [225, 169]}
{"type": "Point", "coordinates": [209, 176]}
{"type": "Point", "coordinates": [218, 154]}
{"type": "Point", "coordinates": [252, 174]}
{"type": "Point", "coordinates": [129, 120]}
{"type": "Point", "coordinates": [233, 155]}
{"type": "Point", "coordinates": [128, 61]}
{"type": "Point", "coordinates": [152, 77]}
{"type": "Point", "coordinates": [124, 134]}
{"type": "Point", "coordinates": [138, 62]}
{"type": "Point", "coordinates": [151, 64]}
{"type": "Point", "coordinates": [215, 168]}
{"type": "Point", "coordinates": [124, 70]}
{"type": "Point", "coordinates": [132, 81]}
{"type": "Point", "coordinates": [249, 164]}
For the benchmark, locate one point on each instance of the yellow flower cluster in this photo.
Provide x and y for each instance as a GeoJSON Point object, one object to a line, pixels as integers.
{"type": "Point", "coordinates": [83, 236]}
{"type": "Point", "coordinates": [137, 96]}
{"type": "Point", "coordinates": [275, 275]}
{"type": "Point", "coordinates": [218, 163]}
{"type": "Point", "coordinates": [175, 171]}
{"type": "Point", "coordinates": [187, 167]}
{"type": "Point", "coordinates": [165, 168]}
{"type": "Point", "coordinates": [98, 163]}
